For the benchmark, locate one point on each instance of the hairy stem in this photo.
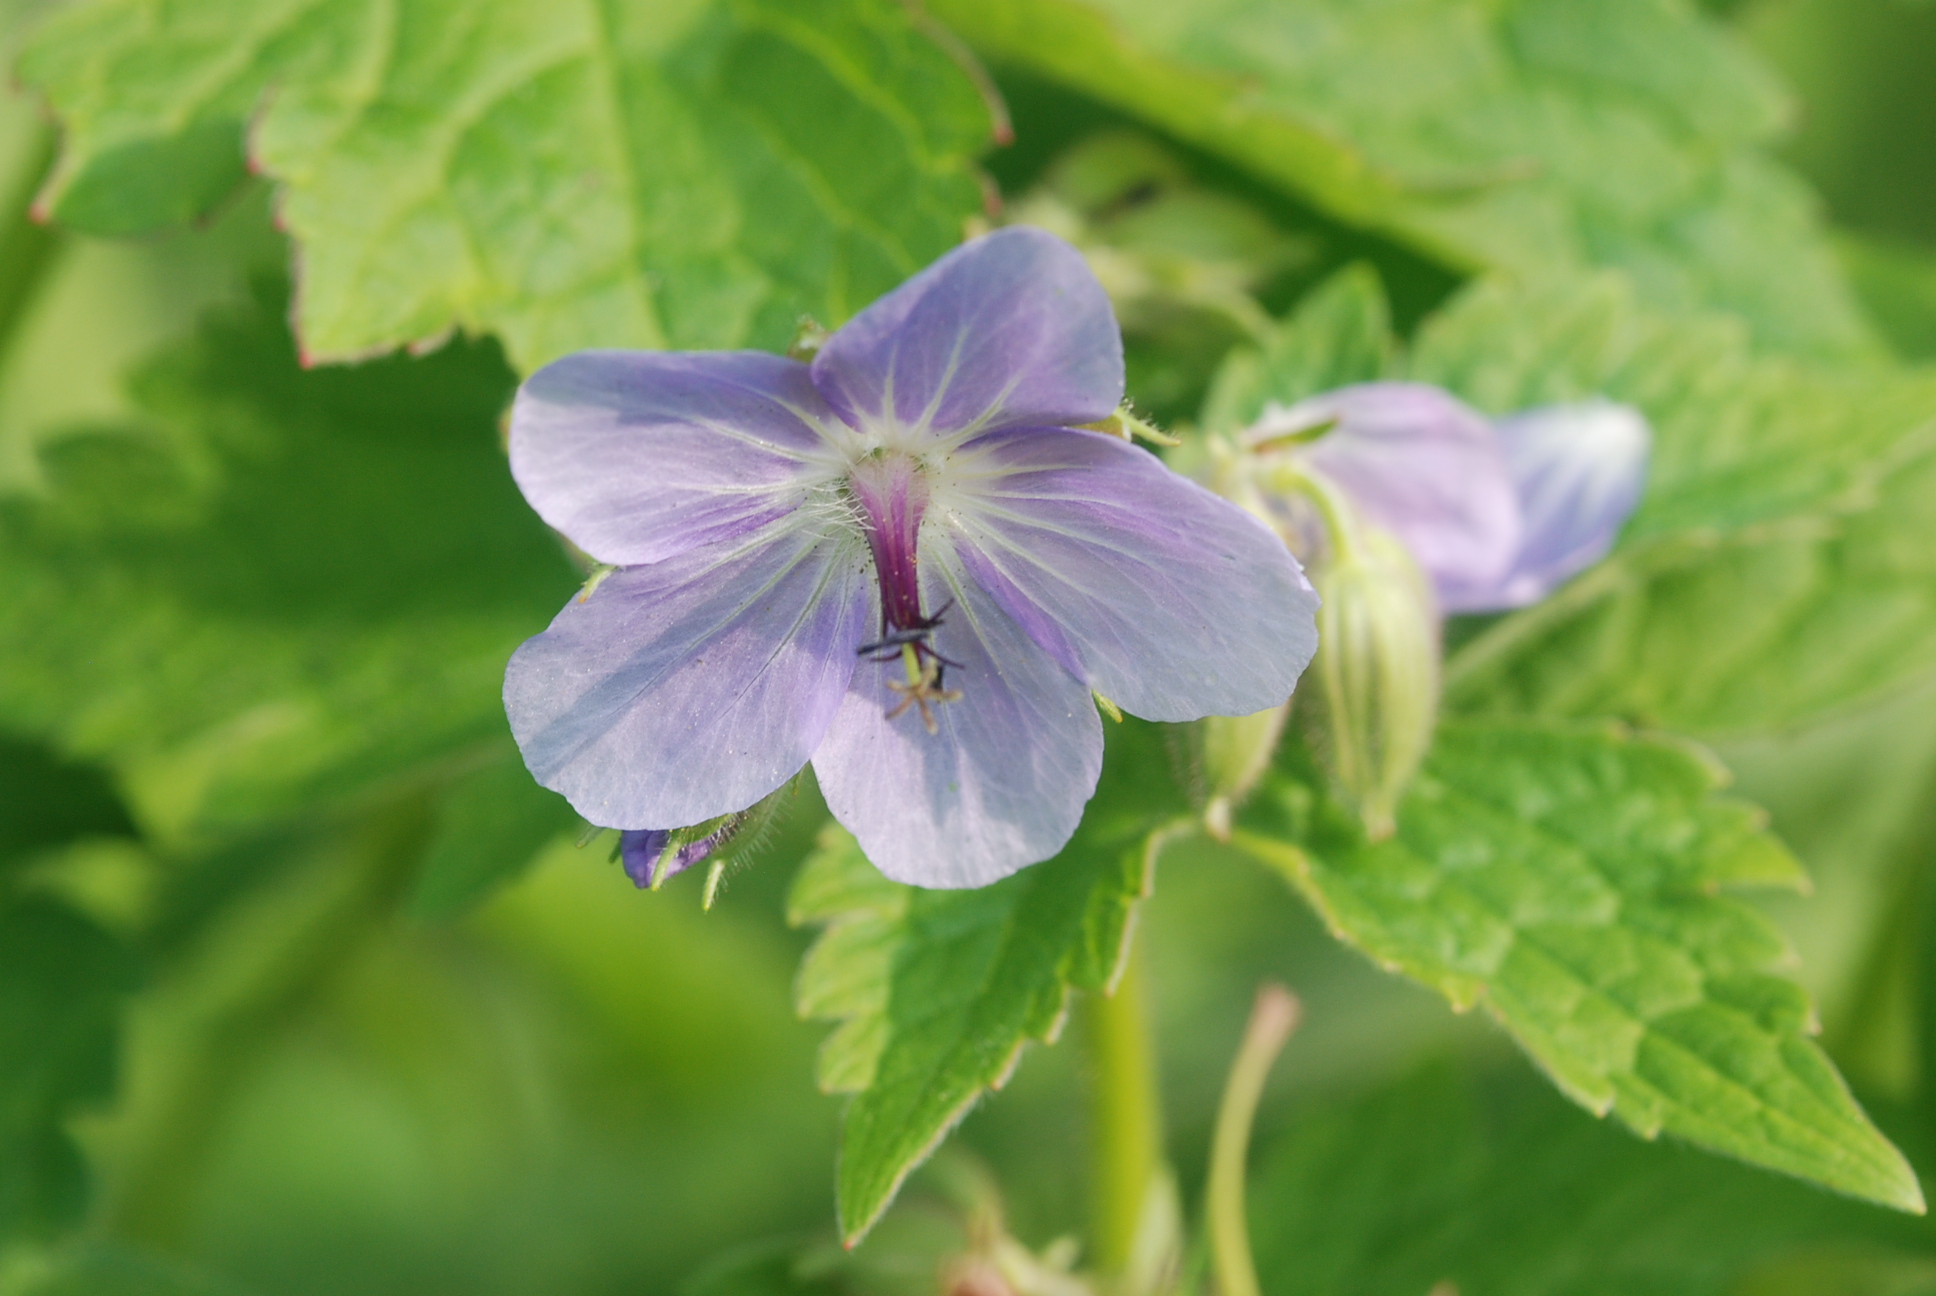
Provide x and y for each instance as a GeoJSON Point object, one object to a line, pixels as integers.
{"type": "Point", "coordinates": [1272, 1019]}
{"type": "Point", "coordinates": [1126, 1133]}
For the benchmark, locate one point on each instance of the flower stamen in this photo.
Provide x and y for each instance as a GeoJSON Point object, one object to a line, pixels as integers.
{"type": "Point", "coordinates": [923, 685]}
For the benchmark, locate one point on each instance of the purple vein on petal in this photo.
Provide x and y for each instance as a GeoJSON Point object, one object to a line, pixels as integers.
{"type": "Point", "coordinates": [692, 687]}
{"type": "Point", "coordinates": [1171, 601]}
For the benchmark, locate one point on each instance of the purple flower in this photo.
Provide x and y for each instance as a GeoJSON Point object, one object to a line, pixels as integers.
{"type": "Point", "coordinates": [1497, 515]}
{"type": "Point", "coordinates": [1577, 471]}
{"type": "Point", "coordinates": [907, 563]}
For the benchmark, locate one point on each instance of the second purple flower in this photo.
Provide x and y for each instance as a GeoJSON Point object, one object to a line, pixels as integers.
{"type": "Point", "coordinates": [908, 563]}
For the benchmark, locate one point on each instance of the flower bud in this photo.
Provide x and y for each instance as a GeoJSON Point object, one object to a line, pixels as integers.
{"type": "Point", "coordinates": [1232, 753]}
{"type": "Point", "coordinates": [1378, 666]}
{"type": "Point", "coordinates": [1412, 460]}
{"type": "Point", "coordinates": [652, 856]}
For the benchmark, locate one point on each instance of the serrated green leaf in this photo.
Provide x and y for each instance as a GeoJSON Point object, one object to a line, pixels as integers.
{"type": "Point", "coordinates": [1493, 1187]}
{"type": "Point", "coordinates": [1339, 334]}
{"type": "Point", "coordinates": [1572, 881]}
{"type": "Point", "coordinates": [294, 586]}
{"type": "Point", "coordinates": [1770, 573]}
{"type": "Point", "coordinates": [688, 175]}
{"type": "Point", "coordinates": [937, 992]}
{"type": "Point", "coordinates": [941, 989]}
{"type": "Point", "coordinates": [62, 983]}
{"type": "Point", "coordinates": [1525, 136]}
{"type": "Point", "coordinates": [492, 822]}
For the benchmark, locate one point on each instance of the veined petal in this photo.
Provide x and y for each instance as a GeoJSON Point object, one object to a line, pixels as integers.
{"type": "Point", "coordinates": [1170, 601]}
{"type": "Point", "coordinates": [1423, 465]}
{"type": "Point", "coordinates": [692, 687]}
{"type": "Point", "coordinates": [1579, 470]}
{"type": "Point", "coordinates": [1009, 329]}
{"type": "Point", "coordinates": [1002, 783]}
{"type": "Point", "coordinates": [640, 455]}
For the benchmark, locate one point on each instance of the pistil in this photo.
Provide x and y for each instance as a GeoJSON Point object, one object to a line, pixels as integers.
{"type": "Point", "coordinates": [892, 494]}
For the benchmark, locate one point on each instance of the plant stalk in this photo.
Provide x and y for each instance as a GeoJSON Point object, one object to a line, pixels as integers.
{"type": "Point", "coordinates": [1126, 1134]}
{"type": "Point", "coordinates": [1272, 1019]}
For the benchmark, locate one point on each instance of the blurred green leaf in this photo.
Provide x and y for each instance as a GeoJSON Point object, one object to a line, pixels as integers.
{"type": "Point", "coordinates": [1525, 136]}
{"type": "Point", "coordinates": [1897, 282]}
{"type": "Point", "coordinates": [62, 983]}
{"type": "Point", "coordinates": [292, 587]}
{"type": "Point", "coordinates": [1773, 571]}
{"type": "Point", "coordinates": [1339, 334]}
{"type": "Point", "coordinates": [904, 1256]}
{"type": "Point", "coordinates": [1572, 881]}
{"type": "Point", "coordinates": [1498, 1189]}
{"type": "Point", "coordinates": [937, 992]}
{"type": "Point", "coordinates": [49, 801]}
{"type": "Point", "coordinates": [684, 175]}
{"type": "Point", "coordinates": [492, 823]}
{"type": "Point", "coordinates": [103, 1270]}
{"type": "Point", "coordinates": [1182, 261]}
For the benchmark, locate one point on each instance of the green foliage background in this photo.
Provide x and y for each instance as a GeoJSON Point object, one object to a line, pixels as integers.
{"type": "Point", "coordinates": [304, 987]}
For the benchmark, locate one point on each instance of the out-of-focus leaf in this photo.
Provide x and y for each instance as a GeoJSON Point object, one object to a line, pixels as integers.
{"type": "Point", "coordinates": [1526, 136]}
{"type": "Point", "coordinates": [62, 981]}
{"type": "Point", "coordinates": [1339, 334]}
{"type": "Point", "coordinates": [904, 1256]}
{"type": "Point", "coordinates": [687, 175]}
{"type": "Point", "coordinates": [294, 586]}
{"type": "Point", "coordinates": [1182, 261]}
{"type": "Point", "coordinates": [1508, 1192]}
{"type": "Point", "coordinates": [119, 1271]}
{"type": "Point", "coordinates": [1898, 285]}
{"type": "Point", "coordinates": [45, 801]}
{"type": "Point", "coordinates": [937, 992]}
{"type": "Point", "coordinates": [493, 822]}
{"type": "Point", "coordinates": [1571, 881]}
{"type": "Point", "coordinates": [1773, 570]}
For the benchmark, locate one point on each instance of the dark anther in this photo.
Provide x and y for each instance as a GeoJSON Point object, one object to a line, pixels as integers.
{"type": "Point", "coordinates": [889, 645]}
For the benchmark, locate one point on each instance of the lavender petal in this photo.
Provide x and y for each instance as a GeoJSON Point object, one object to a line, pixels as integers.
{"type": "Point", "coordinates": [1423, 465]}
{"type": "Point", "coordinates": [1009, 329]}
{"type": "Point", "coordinates": [1002, 783]}
{"type": "Point", "coordinates": [692, 687]}
{"type": "Point", "coordinates": [1579, 470]}
{"type": "Point", "coordinates": [1168, 600]}
{"type": "Point", "coordinates": [637, 456]}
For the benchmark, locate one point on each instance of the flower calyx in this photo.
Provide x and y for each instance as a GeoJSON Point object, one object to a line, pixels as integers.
{"type": "Point", "coordinates": [654, 856]}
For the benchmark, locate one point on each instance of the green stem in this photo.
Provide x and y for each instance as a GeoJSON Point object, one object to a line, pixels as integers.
{"type": "Point", "coordinates": [1126, 1152]}
{"type": "Point", "coordinates": [1272, 1019]}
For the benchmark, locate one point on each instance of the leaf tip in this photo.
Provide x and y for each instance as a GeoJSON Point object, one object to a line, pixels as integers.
{"type": "Point", "coordinates": [1899, 1188]}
